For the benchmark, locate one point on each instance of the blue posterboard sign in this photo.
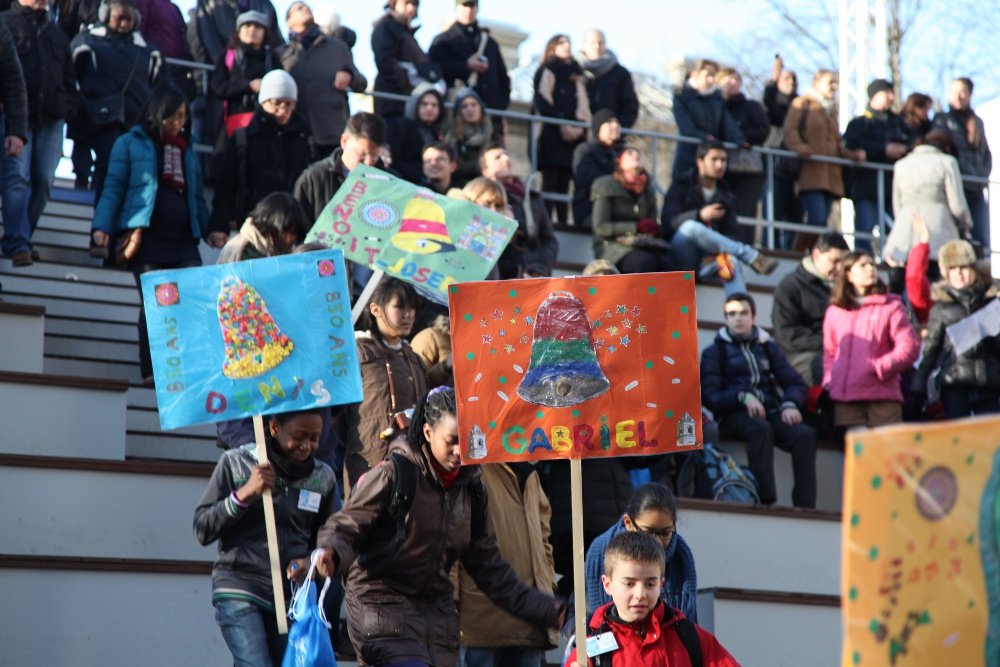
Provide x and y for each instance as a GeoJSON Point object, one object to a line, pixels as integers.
{"type": "Point", "coordinates": [251, 338]}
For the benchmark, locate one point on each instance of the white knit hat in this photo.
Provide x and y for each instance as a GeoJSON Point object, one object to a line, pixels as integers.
{"type": "Point", "coordinates": [277, 85]}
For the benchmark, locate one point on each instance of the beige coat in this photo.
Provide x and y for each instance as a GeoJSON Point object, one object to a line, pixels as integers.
{"type": "Point", "coordinates": [521, 519]}
{"type": "Point", "coordinates": [821, 133]}
{"type": "Point", "coordinates": [928, 182]}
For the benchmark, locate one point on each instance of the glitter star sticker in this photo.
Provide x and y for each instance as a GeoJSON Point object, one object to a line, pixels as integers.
{"type": "Point", "coordinates": [607, 313]}
{"type": "Point", "coordinates": [517, 310]}
{"type": "Point", "coordinates": [598, 342]}
{"type": "Point", "coordinates": [529, 320]}
{"type": "Point", "coordinates": [502, 333]}
{"type": "Point", "coordinates": [641, 328]}
{"type": "Point", "coordinates": [487, 339]}
{"type": "Point", "coordinates": [508, 348]}
{"type": "Point", "coordinates": [612, 330]}
{"type": "Point", "coordinates": [513, 321]}
{"type": "Point", "coordinates": [626, 323]}
{"type": "Point", "coordinates": [497, 314]}
{"type": "Point", "coordinates": [612, 348]}
{"type": "Point", "coordinates": [622, 309]}
{"type": "Point", "coordinates": [625, 341]}
{"type": "Point", "coordinates": [636, 311]}
{"type": "Point", "coordinates": [523, 339]}
{"type": "Point", "coordinates": [483, 322]}
{"type": "Point", "coordinates": [597, 324]}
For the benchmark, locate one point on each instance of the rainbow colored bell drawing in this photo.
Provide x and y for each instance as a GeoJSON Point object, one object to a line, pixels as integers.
{"type": "Point", "coordinates": [563, 369]}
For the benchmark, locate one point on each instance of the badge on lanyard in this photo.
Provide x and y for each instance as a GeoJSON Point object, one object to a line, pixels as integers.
{"type": "Point", "coordinates": [600, 644]}
{"type": "Point", "coordinates": [309, 500]}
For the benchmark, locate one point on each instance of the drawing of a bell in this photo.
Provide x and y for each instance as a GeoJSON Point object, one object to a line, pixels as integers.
{"type": "Point", "coordinates": [253, 342]}
{"type": "Point", "coordinates": [563, 370]}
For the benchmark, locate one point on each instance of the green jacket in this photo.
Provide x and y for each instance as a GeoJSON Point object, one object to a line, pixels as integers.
{"type": "Point", "coordinates": [616, 214]}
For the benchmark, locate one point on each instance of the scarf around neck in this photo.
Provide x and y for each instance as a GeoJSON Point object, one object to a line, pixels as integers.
{"type": "Point", "coordinates": [598, 67]}
{"type": "Point", "coordinates": [828, 105]}
{"type": "Point", "coordinates": [173, 162]}
{"type": "Point", "coordinates": [283, 466]}
{"type": "Point", "coordinates": [307, 36]}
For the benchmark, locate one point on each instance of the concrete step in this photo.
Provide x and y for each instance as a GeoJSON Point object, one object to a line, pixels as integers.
{"type": "Point", "coordinates": [163, 446]}
{"type": "Point", "coordinates": [741, 618]}
{"type": "Point", "coordinates": [78, 416]}
{"type": "Point", "coordinates": [58, 345]}
{"type": "Point", "coordinates": [125, 371]}
{"type": "Point", "coordinates": [95, 275]}
{"type": "Point", "coordinates": [28, 281]}
{"type": "Point", "coordinates": [775, 549]}
{"type": "Point", "coordinates": [23, 330]}
{"type": "Point", "coordinates": [82, 309]}
{"type": "Point", "coordinates": [124, 332]}
{"type": "Point", "coordinates": [147, 420]}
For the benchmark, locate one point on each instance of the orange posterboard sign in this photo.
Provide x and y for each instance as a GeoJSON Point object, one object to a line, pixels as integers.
{"type": "Point", "coordinates": [576, 367]}
{"type": "Point", "coordinates": [921, 555]}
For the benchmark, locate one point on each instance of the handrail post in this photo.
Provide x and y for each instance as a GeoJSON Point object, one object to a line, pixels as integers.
{"type": "Point", "coordinates": [769, 199]}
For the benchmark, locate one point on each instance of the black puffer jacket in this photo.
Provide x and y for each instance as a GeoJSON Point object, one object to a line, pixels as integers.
{"type": "Point", "coordinates": [684, 201]}
{"type": "Point", "coordinates": [46, 63]}
{"type": "Point", "coordinates": [610, 86]}
{"type": "Point", "coordinates": [452, 49]}
{"type": "Point", "coordinates": [394, 44]}
{"type": "Point", "coordinates": [274, 157]}
{"type": "Point", "coordinates": [977, 367]}
{"type": "Point", "coordinates": [871, 131]}
{"type": "Point", "coordinates": [13, 98]}
{"type": "Point", "coordinates": [553, 150]}
{"type": "Point", "coordinates": [750, 116]}
{"type": "Point", "coordinates": [700, 116]}
{"type": "Point", "coordinates": [232, 84]}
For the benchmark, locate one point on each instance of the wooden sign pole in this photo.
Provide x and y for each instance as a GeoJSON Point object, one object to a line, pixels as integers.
{"type": "Point", "coordinates": [272, 535]}
{"type": "Point", "coordinates": [579, 581]}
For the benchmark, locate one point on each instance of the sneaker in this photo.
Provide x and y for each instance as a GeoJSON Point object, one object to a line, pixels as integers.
{"type": "Point", "coordinates": [763, 264]}
{"type": "Point", "coordinates": [35, 257]}
{"type": "Point", "coordinates": [22, 258]}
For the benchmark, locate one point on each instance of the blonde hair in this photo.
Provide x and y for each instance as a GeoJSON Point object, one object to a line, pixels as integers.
{"type": "Point", "coordinates": [481, 187]}
{"type": "Point", "coordinates": [600, 267]}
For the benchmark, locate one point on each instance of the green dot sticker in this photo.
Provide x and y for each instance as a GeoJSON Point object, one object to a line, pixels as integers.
{"type": "Point", "coordinates": [972, 603]}
{"type": "Point", "coordinates": [652, 290]}
{"type": "Point", "coordinates": [856, 657]}
{"type": "Point", "coordinates": [918, 436]}
{"type": "Point", "coordinates": [454, 289]}
{"type": "Point", "coordinates": [970, 458]}
{"type": "Point", "coordinates": [649, 364]}
{"type": "Point", "coordinates": [873, 553]}
{"type": "Point", "coordinates": [855, 519]}
{"type": "Point", "coordinates": [470, 355]}
{"type": "Point", "coordinates": [675, 335]}
{"type": "Point", "coordinates": [670, 414]}
{"type": "Point", "coordinates": [685, 309]}
{"type": "Point", "coordinates": [858, 448]}
{"type": "Point", "coordinates": [592, 290]}
{"type": "Point", "coordinates": [468, 317]}
{"type": "Point", "coordinates": [853, 593]}
{"type": "Point", "coordinates": [687, 276]}
{"type": "Point", "coordinates": [493, 424]}
{"type": "Point", "coordinates": [512, 293]}
{"type": "Point", "coordinates": [576, 413]}
{"type": "Point", "coordinates": [502, 379]}
{"type": "Point", "coordinates": [877, 482]}
{"type": "Point", "coordinates": [540, 415]}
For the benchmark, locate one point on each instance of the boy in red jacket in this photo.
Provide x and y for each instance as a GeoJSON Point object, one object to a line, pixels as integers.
{"type": "Point", "coordinates": [636, 627]}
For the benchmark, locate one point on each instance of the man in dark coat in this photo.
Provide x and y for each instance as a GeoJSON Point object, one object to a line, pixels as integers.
{"type": "Point", "coordinates": [43, 51]}
{"type": "Point", "coordinates": [266, 156]}
{"type": "Point", "coordinates": [609, 84]}
{"type": "Point", "coordinates": [700, 113]}
{"type": "Point", "coordinates": [880, 134]}
{"type": "Point", "coordinates": [466, 52]}
{"type": "Point", "coordinates": [757, 396]}
{"type": "Point", "coordinates": [361, 143]}
{"type": "Point", "coordinates": [594, 159]}
{"type": "Point", "coordinates": [13, 105]}
{"type": "Point", "coordinates": [534, 242]}
{"type": "Point", "coordinates": [699, 219]}
{"type": "Point", "coordinates": [800, 302]}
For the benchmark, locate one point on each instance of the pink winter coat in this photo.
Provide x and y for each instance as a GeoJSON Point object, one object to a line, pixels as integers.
{"type": "Point", "coordinates": [865, 349]}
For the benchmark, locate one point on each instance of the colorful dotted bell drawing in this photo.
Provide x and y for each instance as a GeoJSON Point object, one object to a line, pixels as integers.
{"type": "Point", "coordinates": [563, 370]}
{"type": "Point", "coordinates": [254, 343]}
{"type": "Point", "coordinates": [423, 230]}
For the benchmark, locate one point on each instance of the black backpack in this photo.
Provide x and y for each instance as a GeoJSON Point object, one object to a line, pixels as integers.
{"type": "Point", "coordinates": [404, 488]}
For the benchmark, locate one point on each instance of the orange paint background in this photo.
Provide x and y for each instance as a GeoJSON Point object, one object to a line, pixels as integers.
{"type": "Point", "coordinates": [492, 326]}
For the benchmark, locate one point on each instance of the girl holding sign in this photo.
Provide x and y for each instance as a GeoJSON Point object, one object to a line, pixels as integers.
{"type": "Point", "coordinates": [231, 512]}
{"type": "Point", "coordinates": [406, 524]}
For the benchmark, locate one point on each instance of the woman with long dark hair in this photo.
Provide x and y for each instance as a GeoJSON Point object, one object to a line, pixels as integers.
{"type": "Point", "coordinates": [153, 203]}
{"type": "Point", "coordinates": [560, 92]}
{"type": "Point", "coordinates": [274, 227]}
{"type": "Point", "coordinates": [868, 342]}
{"type": "Point", "coordinates": [398, 560]}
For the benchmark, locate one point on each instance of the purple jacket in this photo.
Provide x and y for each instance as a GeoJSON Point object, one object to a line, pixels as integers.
{"type": "Point", "coordinates": [865, 349]}
{"type": "Point", "coordinates": [163, 26]}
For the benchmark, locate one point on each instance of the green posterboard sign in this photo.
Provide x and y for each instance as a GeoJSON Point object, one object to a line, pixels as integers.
{"type": "Point", "coordinates": [410, 232]}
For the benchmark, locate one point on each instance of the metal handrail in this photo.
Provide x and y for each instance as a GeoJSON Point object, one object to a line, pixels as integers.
{"type": "Point", "coordinates": [769, 154]}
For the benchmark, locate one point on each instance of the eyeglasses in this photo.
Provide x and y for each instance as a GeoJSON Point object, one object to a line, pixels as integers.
{"type": "Point", "coordinates": [280, 104]}
{"type": "Point", "coordinates": [658, 532]}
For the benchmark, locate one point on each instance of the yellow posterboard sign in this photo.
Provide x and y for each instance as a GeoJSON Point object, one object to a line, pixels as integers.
{"type": "Point", "coordinates": [921, 580]}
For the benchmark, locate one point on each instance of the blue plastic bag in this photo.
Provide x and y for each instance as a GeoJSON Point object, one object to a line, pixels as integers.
{"type": "Point", "coordinates": [309, 637]}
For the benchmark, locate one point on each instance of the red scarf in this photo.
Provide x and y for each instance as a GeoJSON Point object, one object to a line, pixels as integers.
{"type": "Point", "coordinates": [173, 162]}
{"type": "Point", "coordinates": [447, 478]}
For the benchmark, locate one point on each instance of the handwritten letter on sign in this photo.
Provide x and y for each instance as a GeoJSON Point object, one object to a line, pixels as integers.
{"type": "Point", "coordinates": [921, 552]}
{"type": "Point", "coordinates": [255, 337]}
{"type": "Point", "coordinates": [576, 367]}
{"type": "Point", "coordinates": [410, 232]}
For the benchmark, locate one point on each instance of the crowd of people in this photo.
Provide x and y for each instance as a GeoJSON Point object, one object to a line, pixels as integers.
{"type": "Point", "coordinates": [481, 558]}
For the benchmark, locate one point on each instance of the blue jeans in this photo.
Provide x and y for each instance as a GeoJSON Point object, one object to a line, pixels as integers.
{"type": "Point", "coordinates": [693, 240]}
{"type": "Point", "coordinates": [817, 205]}
{"type": "Point", "coordinates": [27, 184]}
{"type": "Point", "coordinates": [251, 633]}
{"type": "Point", "coordinates": [503, 656]}
{"type": "Point", "coordinates": [865, 220]}
{"type": "Point", "coordinates": [980, 211]}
